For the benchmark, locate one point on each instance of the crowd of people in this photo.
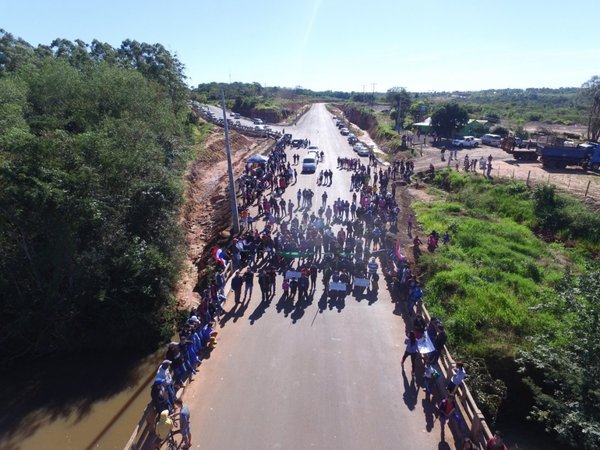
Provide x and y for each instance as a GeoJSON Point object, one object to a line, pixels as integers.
{"type": "Point", "coordinates": [289, 243]}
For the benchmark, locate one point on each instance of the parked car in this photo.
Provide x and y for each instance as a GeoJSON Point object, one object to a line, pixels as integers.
{"type": "Point", "coordinates": [257, 121]}
{"type": "Point", "coordinates": [363, 151]}
{"type": "Point", "coordinates": [466, 142]}
{"type": "Point", "coordinates": [237, 116]}
{"type": "Point", "coordinates": [345, 131]}
{"type": "Point", "coordinates": [491, 139]}
{"type": "Point", "coordinates": [357, 146]}
{"type": "Point", "coordinates": [309, 165]}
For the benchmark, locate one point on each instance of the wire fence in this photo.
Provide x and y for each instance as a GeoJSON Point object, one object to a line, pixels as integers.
{"type": "Point", "coordinates": [578, 183]}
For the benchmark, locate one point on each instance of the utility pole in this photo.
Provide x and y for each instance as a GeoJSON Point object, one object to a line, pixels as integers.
{"type": "Point", "coordinates": [373, 97]}
{"type": "Point", "coordinates": [364, 93]}
{"type": "Point", "coordinates": [232, 193]}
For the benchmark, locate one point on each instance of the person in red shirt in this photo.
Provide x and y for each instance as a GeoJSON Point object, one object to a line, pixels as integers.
{"type": "Point", "coordinates": [496, 442]}
{"type": "Point", "coordinates": [445, 408]}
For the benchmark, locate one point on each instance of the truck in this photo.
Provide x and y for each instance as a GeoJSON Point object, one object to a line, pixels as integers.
{"type": "Point", "coordinates": [466, 142]}
{"type": "Point", "coordinates": [586, 156]}
{"type": "Point", "coordinates": [520, 150]}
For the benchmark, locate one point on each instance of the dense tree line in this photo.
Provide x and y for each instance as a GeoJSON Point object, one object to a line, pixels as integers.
{"type": "Point", "coordinates": [238, 91]}
{"type": "Point", "coordinates": [93, 142]}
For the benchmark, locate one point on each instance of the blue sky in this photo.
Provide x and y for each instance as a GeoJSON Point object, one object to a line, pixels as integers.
{"type": "Point", "coordinates": [423, 45]}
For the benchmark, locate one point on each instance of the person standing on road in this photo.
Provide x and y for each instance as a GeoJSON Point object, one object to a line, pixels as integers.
{"type": "Point", "coordinates": [438, 343]}
{"type": "Point", "coordinates": [457, 378]}
{"type": "Point", "coordinates": [184, 423]}
{"type": "Point", "coordinates": [372, 267]}
{"type": "Point", "coordinates": [445, 409]}
{"type": "Point", "coordinates": [324, 198]}
{"type": "Point", "coordinates": [411, 350]}
{"type": "Point", "coordinates": [249, 282]}
{"type": "Point", "coordinates": [264, 284]}
{"type": "Point", "coordinates": [443, 153]}
{"type": "Point", "coordinates": [236, 285]}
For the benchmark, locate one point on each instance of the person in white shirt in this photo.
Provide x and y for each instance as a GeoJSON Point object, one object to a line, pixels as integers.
{"type": "Point", "coordinates": [457, 378]}
{"type": "Point", "coordinates": [164, 372]}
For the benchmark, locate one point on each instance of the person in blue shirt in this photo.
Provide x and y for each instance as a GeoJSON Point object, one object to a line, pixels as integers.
{"type": "Point", "coordinates": [184, 423]}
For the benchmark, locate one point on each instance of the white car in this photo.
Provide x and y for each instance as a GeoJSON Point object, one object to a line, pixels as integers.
{"type": "Point", "coordinates": [363, 151]}
{"type": "Point", "coordinates": [491, 139]}
{"type": "Point", "coordinates": [357, 147]}
{"type": "Point", "coordinates": [309, 165]}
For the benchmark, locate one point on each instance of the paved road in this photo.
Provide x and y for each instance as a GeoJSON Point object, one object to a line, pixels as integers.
{"type": "Point", "coordinates": [317, 375]}
{"type": "Point", "coordinates": [218, 111]}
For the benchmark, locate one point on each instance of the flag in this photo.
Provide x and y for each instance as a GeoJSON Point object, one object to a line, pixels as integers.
{"type": "Point", "coordinates": [219, 255]}
{"type": "Point", "coordinates": [398, 252]}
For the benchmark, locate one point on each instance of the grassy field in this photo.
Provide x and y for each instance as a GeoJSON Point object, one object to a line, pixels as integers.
{"type": "Point", "coordinates": [512, 287]}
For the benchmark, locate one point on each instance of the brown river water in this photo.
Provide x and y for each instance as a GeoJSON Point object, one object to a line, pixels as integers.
{"type": "Point", "coordinates": [91, 401]}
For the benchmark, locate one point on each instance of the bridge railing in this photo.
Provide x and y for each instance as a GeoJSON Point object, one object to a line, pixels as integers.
{"type": "Point", "coordinates": [473, 419]}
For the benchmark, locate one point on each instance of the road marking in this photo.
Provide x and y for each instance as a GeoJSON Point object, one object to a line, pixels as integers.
{"type": "Point", "coordinates": [336, 339]}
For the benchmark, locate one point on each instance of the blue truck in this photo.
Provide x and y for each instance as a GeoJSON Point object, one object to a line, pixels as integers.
{"type": "Point", "coordinates": [586, 156]}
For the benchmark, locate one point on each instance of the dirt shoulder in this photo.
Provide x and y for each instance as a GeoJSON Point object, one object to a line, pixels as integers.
{"type": "Point", "coordinates": [205, 214]}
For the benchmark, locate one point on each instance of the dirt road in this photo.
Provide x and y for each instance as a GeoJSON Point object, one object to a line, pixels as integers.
{"type": "Point", "coordinates": [315, 374]}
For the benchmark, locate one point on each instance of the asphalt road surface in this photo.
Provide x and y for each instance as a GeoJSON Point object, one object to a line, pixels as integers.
{"type": "Point", "coordinates": [321, 374]}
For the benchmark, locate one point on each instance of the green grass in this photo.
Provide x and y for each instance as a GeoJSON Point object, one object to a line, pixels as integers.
{"type": "Point", "coordinates": [484, 283]}
{"type": "Point", "coordinates": [487, 283]}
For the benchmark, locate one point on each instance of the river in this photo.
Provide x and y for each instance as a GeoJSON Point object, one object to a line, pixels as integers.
{"type": "Point", "coordinates": [91, 401]}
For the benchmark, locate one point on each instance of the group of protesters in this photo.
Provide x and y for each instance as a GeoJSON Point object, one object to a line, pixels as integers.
{"type": "Point", "coordinates": [297, 240]}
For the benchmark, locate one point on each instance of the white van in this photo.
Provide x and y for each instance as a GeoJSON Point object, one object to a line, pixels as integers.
{"type": "Point", "coordinates": [491, 139]}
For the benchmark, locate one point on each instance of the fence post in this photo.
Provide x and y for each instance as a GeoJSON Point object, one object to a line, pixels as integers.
{"type": "Point", "coordinates": [587, 188]}
{"type": "Point", "coordinates": [528, 175]}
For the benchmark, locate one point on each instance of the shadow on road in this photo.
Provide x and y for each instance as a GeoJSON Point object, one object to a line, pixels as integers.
{"type": "Point", "coordinates": [429, 411]}
{"type": "Point", "coordinates": [285, 304]}
{"type": "Point", "coordinates": [410, 391]}
{"type": "Point", "coordinates": [259, 311]}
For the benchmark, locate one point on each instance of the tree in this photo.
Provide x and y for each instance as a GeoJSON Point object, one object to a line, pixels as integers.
{"type": "Point", "coordinates": [91, 159]}
{"type": "Point", "coordinates": [398, 97]}
{"type": "Point", "coordinates": [562, 368]}
{"type": "Point", "coordinates": [449, 118]}
{"type": "Point", "coordinates": [591, 94]}
{"type": "Point", "coordinates": [500, 130]}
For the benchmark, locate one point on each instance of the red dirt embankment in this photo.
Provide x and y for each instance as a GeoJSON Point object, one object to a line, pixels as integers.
{"type": "Point", "coordinates": [206, 211]}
